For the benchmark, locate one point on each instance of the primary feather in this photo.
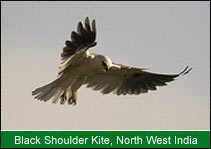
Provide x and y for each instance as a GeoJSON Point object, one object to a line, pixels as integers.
{"type": "Point", "coordinates": [79, 66]}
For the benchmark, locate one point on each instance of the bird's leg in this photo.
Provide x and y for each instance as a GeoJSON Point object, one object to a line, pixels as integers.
{"type": "Point", "coordinates": [75, 86]}
{"type": "Point", "coordinates": [63, 97]}
{"type": "Point", "coordinates": [73, 98]}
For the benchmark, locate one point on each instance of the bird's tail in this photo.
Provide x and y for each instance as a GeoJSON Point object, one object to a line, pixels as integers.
{"type": "Point", "coordinates": [50, 91]}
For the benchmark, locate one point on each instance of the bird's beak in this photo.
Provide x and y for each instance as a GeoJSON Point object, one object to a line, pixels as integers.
{"type": "Point", "coordinates": [106, 68]}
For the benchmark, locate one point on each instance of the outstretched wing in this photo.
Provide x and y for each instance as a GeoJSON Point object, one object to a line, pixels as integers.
{"type": "Point", "coordinates": [128, 80]}
{"type": "Point", "coordinates": [80, 42]}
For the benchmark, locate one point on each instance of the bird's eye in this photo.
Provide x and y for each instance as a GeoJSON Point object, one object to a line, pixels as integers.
{"type": "Point", "coordinates": [104, 64]}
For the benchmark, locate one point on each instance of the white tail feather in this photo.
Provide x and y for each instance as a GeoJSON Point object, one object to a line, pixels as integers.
{"type": "Point", "coordinates": [48, 91]}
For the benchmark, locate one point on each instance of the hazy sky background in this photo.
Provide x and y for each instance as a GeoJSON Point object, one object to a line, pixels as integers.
{"type": "Point", "coordinates": [162, 36]}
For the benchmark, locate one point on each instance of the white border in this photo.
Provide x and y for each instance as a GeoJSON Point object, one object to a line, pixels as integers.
{"type": "Point", "coordinates": [105, 130]}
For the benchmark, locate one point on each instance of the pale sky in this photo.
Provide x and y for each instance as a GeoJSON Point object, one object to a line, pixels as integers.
{"type": "Point", "coordinates": [162, 36]}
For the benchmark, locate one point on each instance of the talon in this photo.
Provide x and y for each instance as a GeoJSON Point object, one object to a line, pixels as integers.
{"type": "Point", "coordinates": [62, 101]}
{"type": "Point", "coordinates": [63, 98]}
{"type": "Point", "coordinates": [70, 101]}
{"type": "Point", "coordinates": [73, 99]}
{"type": "Point", "coordinates": [74, 103]}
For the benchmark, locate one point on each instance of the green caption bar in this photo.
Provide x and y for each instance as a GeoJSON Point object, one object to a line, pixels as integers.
{"type": "Point", "coordinates": [105, 139]}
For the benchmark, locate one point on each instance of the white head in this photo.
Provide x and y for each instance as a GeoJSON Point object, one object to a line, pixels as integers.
{"type": "Point", "coordinates": [104, 62]}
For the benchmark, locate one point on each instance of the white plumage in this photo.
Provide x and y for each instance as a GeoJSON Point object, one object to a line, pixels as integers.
{"type": "Point", "coordinates": [79, 66]}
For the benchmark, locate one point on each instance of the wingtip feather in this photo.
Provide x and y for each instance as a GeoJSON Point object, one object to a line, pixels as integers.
{"type": "Point", "coordinates": [186, 70]}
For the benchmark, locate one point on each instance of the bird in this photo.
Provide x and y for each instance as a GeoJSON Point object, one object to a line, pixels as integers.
{"type": "Point", "coordinates": [96, 71]}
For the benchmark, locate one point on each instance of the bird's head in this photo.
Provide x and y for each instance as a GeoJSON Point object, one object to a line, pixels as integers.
{"type": "Point", "coordinates": [105, 62]}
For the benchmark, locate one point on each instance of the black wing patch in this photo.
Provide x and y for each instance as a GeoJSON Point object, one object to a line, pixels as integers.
{"type": "Point", "coordinates": [141, 82]}
{"type": "Point", "coordinates": [84, 37]}
{"type": "Point", "coordinates": [130, 80]}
